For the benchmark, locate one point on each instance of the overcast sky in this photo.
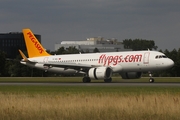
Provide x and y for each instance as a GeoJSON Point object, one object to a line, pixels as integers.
{"type": "Point", "coordinates": [60, 20]}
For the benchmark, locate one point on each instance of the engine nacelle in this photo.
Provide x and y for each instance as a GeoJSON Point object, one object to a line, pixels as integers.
{"type": "Point", "coordinates": [100, 73]}
{"type": "Point", "coordinates": [131, 75]}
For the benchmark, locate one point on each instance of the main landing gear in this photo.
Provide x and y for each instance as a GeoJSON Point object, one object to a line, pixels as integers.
{"type": "Point", "coordinates": [108, 80]}
{"type": "Point", "coordinates": [151, 79]}
{"type": "Point", "coordinates": [86, 80]}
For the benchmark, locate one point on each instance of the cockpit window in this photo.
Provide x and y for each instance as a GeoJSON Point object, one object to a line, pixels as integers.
{"type": "Point", "coordinates": [164, 56]}
{"type": "Point", "coordinates": [160, 56]}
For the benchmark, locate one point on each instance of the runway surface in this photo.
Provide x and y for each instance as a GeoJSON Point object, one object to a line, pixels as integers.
{"type": "Point", "coordinates": [90, 84]}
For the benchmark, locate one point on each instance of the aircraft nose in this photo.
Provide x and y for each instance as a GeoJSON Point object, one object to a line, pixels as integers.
{"type": "Point", "coordinates": [170, 63]}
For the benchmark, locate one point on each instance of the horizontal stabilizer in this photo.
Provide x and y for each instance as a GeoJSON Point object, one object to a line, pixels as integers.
{"type": "Point", "coordinates": [23, 56]}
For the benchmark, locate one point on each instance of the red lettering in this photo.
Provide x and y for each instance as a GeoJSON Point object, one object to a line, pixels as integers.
{"type": "Point", "coordinates": [126, 58]}
{"type": "Point", "coordinates": [38, 47]}
{"type": "Point", "coordinates": [30, 35]}
{"type": "Point", "coordinates": [41, 50]}
{"type": "Point", "coordinates": [105, 60]}
{"type": "Point", "coordinates": [137, 58]}
{"type": "Point", "coordinates": [101, 58]}
{"type": "Point", "coordinates": [33, 40]}
{"type": "Point", "coordinates": [110, 60]}
{"type": "Point", "coordinates": [120, 58]}
{"type": "Point", "coordinates": [131, 58]}
{"type": "Point", "coordinates": [114, 60]}
{"type": "Point", "coordinates": [36, 43]}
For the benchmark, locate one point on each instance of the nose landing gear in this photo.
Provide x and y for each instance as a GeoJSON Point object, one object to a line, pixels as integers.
{"type": "Point", "coordinates": [151, 79]}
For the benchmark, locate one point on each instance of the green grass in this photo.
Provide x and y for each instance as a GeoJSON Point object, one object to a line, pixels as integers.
{"type": "Point", "coordinates": [79, 79]}
{"type": "Point", "coordinates": [87, 89]}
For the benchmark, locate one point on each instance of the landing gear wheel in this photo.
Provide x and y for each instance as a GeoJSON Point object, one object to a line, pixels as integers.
{"type": "Point", "coordinates": [108, 80]}
{"type": "Point", "coordinates": [151, 80]}
{"type": "Point", "coordinates": [86, 80]}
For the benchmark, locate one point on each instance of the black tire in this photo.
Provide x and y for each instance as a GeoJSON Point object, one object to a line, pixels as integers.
{"type": "Point", "coordinates": [151, 80]}
{"type": "Point", "coordinates": [86, 80]}
{"type": "Point", "coordinates": [108, 80]}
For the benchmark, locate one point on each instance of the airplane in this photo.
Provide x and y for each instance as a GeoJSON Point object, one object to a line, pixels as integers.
{"type": "Point", "coordinates": [94, 66]}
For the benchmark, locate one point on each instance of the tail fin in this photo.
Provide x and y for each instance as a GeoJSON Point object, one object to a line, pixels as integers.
{"type": "Point", "coordinates": [34, 48]}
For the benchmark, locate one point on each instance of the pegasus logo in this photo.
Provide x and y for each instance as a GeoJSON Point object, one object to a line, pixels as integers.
{"type": "Point", "coordinates": [36, 43]}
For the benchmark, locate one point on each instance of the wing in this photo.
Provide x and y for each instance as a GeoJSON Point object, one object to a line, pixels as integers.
{"type": "Point", "coordinates": [76, 66]}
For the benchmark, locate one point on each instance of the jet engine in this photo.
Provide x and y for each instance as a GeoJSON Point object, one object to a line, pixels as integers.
{"type": "Point", "coordinates": [100, 73]}
{"type": "Point", "coordinates": [131, 75]}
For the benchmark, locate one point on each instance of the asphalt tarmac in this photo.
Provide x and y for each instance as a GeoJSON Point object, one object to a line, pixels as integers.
{"type": "Point", "coordinates": [91, 84]}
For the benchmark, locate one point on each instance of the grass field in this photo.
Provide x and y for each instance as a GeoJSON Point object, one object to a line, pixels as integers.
{"type": "Point", "coordinates": [79, 79]}
{"type": "Point", "coordinates": [88, 102]}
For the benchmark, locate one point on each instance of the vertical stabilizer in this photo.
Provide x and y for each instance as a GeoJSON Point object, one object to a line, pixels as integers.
{"type": "Point", "coordinates": [34, 48]}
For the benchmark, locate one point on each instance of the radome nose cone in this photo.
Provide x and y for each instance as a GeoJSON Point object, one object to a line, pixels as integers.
{"type": "Point", "coordinates": [171, 63]}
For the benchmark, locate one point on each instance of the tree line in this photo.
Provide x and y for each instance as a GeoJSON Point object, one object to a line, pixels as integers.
{"type": "Point", "coordinates": [13, 68]}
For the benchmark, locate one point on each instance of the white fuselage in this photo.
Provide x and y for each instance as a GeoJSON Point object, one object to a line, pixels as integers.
{"type": "Point", "coordinates": [131, 61]}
